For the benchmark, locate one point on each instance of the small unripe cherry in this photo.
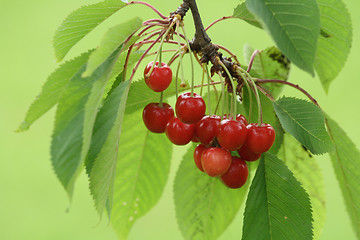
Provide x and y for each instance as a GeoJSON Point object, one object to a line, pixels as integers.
{"type": "Point", "coordinates": [260, 138]}
{"type": "Point", "coordinates": [248, 155]}
{"type": "Point", "coordinates": [155, 117]}
{"type": "Point", "coordinates": [190, 109]}
{"type": "Point", "coordinates": [197, 156]}
{"type": "Point", "coordinates": [160, 78]}
{"type": "Point", "coordinates": [215, 161]}
{"type": "Point", "coordinates": [179, 133]}
{"type": "Point", "coordinates": [237, 173]}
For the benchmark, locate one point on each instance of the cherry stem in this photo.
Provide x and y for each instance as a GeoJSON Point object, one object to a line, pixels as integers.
{"type": "Point", "coordinates": [168, 50]}
{"type": "Point", "coordinates": [160, 56]}
{"type": "Point", "coordinates": [161, 43]}
{"type": "Point", "coordinates": [152, 35]}
{"type": "Point", "coordinates": [233, 113]}
{"type": "Point", "coordinates": [296, 86]}
{"type": "Point", "coordinates": [143, 56]}
{"type": "Point", "coordinates": [127, 61]}
{"type": "Point", "coordinates": [222, 94]}
{"type": "Point", "coordinates": [191, 60]}
{"type": "Point", "coordinates": [247, 77]}
{"type": "Point", "coordinates": [176, 80]}
{"type": "Point", "coordinates": [202, 80]}
{"type": "Point", "coordinates": [145, 29]}
{"type": "Point", "coordinates": [155, 21]}
{"type": "Point", "coordinates": [161, 99]}
{"type": "Point", "coordinates": [252, 59]}
{"type": "Point", "coordinates": [181, 54]}
{"type": "Point", "coordinates": [173, 57]}
{"type": "Point", "coordinates": [206, 70]}
{"type": "Point", "coordinates": [216, 21]}
{"type": "Point", "coordinates": [139, 44]}
{"type": "Point", "coordinates": [150, 6]}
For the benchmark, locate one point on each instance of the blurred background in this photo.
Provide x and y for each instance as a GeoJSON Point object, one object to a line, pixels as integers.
{"type": "Point", "coordinates": [33, 204]}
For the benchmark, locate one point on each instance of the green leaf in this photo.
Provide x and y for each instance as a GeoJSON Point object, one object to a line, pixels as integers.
{"type": "Point", "coordinates": [119, 67]}
{"type": "Point", "coordinates": [307, 171]}
{"type": "Point", "coordinates": [294, 26]}
{"type": "Point", "coordinates": [105, 142]}
{"type": "Point", "coordinates": [204, 205]}
{"type": "Point", "coordinates": [277, 206]}
{"type": "Point", "coordinates": [80, 22]}
{"type": "Point", "coordinates": [74, 120]}
{"type": "Point", "coordinates": [243, 13]}
{"type": "Point", "coordinates": [334, 47]}
{"type": "Point", "coordinates": [52, 90]}
{"type": "Point", "coordinates": [269, 64]}
{"type": "Point", "coordinates": [346, 162]}
{"type": "Point", "coordinates": [142, 170]}
{"type": "Point", "coordinates": [305, 121]}
{"type": "Point", "coordinates": [113, 39]}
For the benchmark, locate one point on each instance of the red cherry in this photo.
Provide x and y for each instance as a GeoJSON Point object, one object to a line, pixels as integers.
{"type": "Point", "coordinates": [156, 117]}
{"type": "Point", "coordinates": [179, 133]}
{"type": "Point", "coordinates": [231, 134]}
{"type": "Point", "coordinates": [190, 109]}
{"type": "Point", "coordinates": [248, 155]}
{"type": "Point", "coordinates": [160, 78]}
{"type": "Point", "coordinates": [206, 129]}
{"type": "Point", "coordinates": [241, 118]}
{"type": "Point", "coordinates": [215, 161]}
{"type": "Point", "coordinates": [237, 174]}
{"type": "Point", "coordinates": [260, 138]}
{"type": "Point", "coordinates": [197, 156]}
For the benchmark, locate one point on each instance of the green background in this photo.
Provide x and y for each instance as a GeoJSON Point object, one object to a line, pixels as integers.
{"type": "Point", "coordinates": [33, 204]}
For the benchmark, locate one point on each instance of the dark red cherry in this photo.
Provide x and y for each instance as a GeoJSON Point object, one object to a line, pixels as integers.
{"type": "Point", "coordinates": [206, 129]}
{"type": "Point", "coordinates": [197, 156]}
{"type": "Point", "coordinates": [190, 109]}
{"type": "Point", "coordinates": [160, 78]}
{"type": "Point", "coordinates": [237, 174]}
{"type": "Point", "coordinates": [179, 133]}
{"type": "Point", "coordinates": [231, 134]}
{"type": "Point", "coordinates": [156, 117]}
{"type": "Point", "coordinates": [248, 155]}
{"type": "Point", "coordinates": [260, 138]}
{"type": "Point", "coordinates": [215, 161]}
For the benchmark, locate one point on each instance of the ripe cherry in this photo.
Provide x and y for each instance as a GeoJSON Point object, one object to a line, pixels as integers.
{"type": "Point", "coordinates": [197, 156]}
{"type": "Point", "coordinates": [160, 78]}
{"type": "Point", "coordinates": [260, 138]}
{"type": "Point", "coordinates": [215, 161]}
{"type": "Point", "coordinates": [155, 117]}
{"type": "Point", "coordinates": [206, 129]}
{"type": "Point", "coordinates": [248, 155]}
{"type": "Point", "coordinates": [178, 132]}
{"type": "Point", "coordinates": [239, 118]}
{"type": "Point", "coordinates": [231, 134]}
{"type": "Point", "coordinates": [237, 174]}
{"type": "Point", "coordinates": [190, 109]}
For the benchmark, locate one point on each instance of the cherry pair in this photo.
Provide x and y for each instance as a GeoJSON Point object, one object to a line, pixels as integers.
{"type": "Point", "coordinates": [215, 161]}
{"type": "Point", "coordinates": [180, 130]}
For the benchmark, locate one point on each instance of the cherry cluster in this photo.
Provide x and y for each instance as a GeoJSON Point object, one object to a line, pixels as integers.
{"type": "Point", "coordinates": [218, 138]}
